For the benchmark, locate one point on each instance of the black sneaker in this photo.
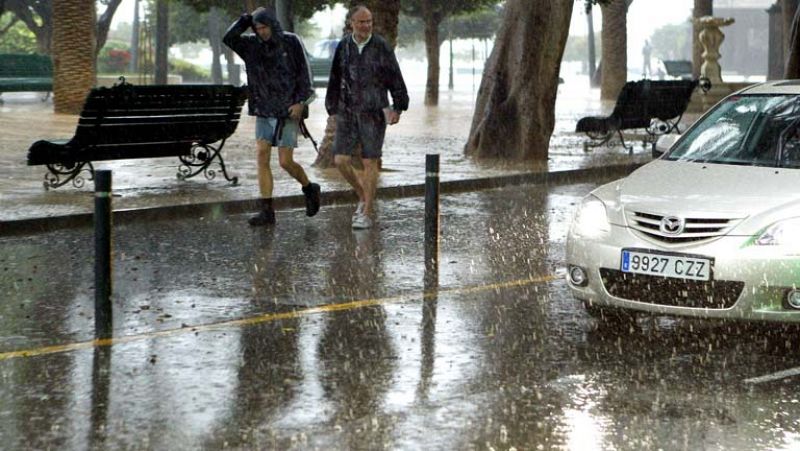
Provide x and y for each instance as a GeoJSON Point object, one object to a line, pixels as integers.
{"type": "Point", "coordinates": [312, 192]}
{"type": "Point", "coordinates": [264, 218]}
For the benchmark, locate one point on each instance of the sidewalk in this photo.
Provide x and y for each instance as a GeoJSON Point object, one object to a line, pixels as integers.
{"type": "Point", "coordinates": [152, 184]}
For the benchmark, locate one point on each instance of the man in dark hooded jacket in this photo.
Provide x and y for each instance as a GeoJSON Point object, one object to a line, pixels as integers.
{"type": "Point", "coordinates": [364, 70]}
{"type": "Point", "coordinates": [279, 86]}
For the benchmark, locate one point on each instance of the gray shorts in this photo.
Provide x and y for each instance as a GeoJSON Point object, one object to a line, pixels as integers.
{"type": "Point", "coordinates": [286, 136]}
{"type": "Point", "coordinates": [367, 129]}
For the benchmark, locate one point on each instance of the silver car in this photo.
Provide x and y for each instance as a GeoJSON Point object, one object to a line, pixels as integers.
{"type": "Point", "coordinates": [711, 229]}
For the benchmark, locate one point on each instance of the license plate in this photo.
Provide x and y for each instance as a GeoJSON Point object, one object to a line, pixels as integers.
{"type": "Point", "coordinates": [678, 266]}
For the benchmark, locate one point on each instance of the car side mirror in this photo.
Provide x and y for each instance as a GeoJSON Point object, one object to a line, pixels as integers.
{"type": "Point", "coordinates": [664, 143]}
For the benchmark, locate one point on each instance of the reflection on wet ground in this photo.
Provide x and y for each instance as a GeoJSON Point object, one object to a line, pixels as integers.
{"type": "Point", "coordinates": [313, 336]}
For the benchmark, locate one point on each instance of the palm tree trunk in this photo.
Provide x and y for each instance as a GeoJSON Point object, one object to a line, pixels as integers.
{"type": "Point", "coordinates": [73, 54]}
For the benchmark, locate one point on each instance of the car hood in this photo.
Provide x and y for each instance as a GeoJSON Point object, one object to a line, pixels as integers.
{"type": "Point", "coordinates": [705, 190]}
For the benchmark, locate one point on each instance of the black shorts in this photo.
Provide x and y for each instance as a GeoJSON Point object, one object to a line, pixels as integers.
{"type": "Point", "coordinates": [367, 128]}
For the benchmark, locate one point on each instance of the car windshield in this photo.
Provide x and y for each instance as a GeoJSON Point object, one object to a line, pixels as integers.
{"type": "Point", "coordinates": [746, 130]}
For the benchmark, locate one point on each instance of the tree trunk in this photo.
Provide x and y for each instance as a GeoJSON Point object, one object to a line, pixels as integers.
{"type": "Point", "coordinates": [135, 33]}
{"type": "Point", "coordinates": [105, 23]}
{"type": "Point", "coordinates": [215, 41]}
{"type": "Point", "coordinates": [614, 37]}
{"type": "Point", "coordinates": [514, 114]}
{"type": "Point", "coordinates": [283, 9]}
{"type": "Point", "coordinates": [788, 10]}
{"type": "Point", "coordinates": [590, 41]}
{"type": "Point", "coordinates": [432, 47]}
{"type": "Point", "coordinates": [701, 8]}
{"type": "Point", "coordinates": [793, 60]}
{"type": "Point", "coordinates": [234, 77]}
{"type": "Point", "coordinates": [73, 54]}
{"type": "Point", "coordinates": [162, 42]}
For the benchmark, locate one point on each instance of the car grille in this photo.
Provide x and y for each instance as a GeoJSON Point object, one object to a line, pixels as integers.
{"type": "Point", "coordinates": [695, 229]}
{"type": "Point", "coordinates": [715, 294]}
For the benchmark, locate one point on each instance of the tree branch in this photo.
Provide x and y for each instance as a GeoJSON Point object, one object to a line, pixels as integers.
{"type": "Point", "coordinates": [22, 12]}
{"type": "Point", "coordinates": [10, 24]}
{"type": "Point", "coordinates": [104, 23]}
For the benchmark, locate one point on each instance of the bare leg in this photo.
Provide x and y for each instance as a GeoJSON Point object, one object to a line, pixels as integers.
{"type": "Point", "coordinates": [345, 165]}
{"type": "Point", "coordinates": [286, 159]}
{"type": "Point", "coordinates": [370, 183]}
{"type": "Point", "coordinates": [263, 151]}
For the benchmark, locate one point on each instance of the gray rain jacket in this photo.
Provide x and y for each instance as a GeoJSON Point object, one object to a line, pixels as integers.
{"type": "Point", "coordinates": [359, 82]}
{"type": "Point", "coordinates": [278, 75]}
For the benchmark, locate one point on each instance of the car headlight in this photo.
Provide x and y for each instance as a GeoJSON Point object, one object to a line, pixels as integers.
{"type": "Point", "coordinates": [591, 220]}
{"type": "Point", "coordinates": [782, 233]}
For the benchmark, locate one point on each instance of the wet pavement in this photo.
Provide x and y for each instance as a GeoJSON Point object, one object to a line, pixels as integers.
{"type": "Point", "coordinates": [313, 336]}
{"type": "Point", "coordinates": [152, 183]}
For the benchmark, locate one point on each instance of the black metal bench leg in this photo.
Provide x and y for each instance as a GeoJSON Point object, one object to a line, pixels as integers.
{"type": "Point", "coordinates": [596, 139]}
{"type": "Point", "coordinates": [622, 141]}
{"type": "Point", "coordinates": [71, 172]}
{"type": "Point", "coordinates": [199, 160]}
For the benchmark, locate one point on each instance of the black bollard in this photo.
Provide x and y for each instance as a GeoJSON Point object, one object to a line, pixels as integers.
{"type": "Point", "coordinates": [102, 257]}
{"type": "Point", "coordinates": [432, 213]}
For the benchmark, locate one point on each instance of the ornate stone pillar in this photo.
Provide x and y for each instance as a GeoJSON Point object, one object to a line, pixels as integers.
{"type": "Point", "coordinates": [711, 37]}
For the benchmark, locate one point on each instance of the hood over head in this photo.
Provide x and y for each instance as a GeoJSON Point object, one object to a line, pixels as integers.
{"type": "Point", "coordinates": [268, 17]}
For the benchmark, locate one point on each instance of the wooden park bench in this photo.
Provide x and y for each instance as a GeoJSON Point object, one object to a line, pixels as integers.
{"type": "Point", "coordinates": [656, 106]}
{"type": "Point", "coordinates": [128, 122]}
{"type": "Point", "coordinates": [23, 73]}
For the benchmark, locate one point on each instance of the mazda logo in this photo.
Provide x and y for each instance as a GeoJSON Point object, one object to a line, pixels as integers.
{"type": "Point", "coordinates": [672, 225]}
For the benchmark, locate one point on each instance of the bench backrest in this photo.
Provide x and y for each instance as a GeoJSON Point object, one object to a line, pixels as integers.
{"type": "Point", "coordinates": [14, 65]}
{"type": "Point", "coordinates": [129, 121]}
{"type": "Point", "coordinates": [678, 68]}
{"type": "Point", "coordinates": [640, 101]}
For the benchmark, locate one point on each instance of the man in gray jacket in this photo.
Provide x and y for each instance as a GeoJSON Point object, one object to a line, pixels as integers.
{"type": "Point", "coordinates": [364, 70]}
{"type": "Point", "coordinates": [279, 86]}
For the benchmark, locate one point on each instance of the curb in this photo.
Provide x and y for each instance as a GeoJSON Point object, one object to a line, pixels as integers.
{"type": "Point", "coordinates": [33, 226]}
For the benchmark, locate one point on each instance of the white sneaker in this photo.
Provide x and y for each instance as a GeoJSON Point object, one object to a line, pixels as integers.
{"type": "Point", "coordinates": [362, 221]}
{"type": "Point", "coordinates": [359, 210]}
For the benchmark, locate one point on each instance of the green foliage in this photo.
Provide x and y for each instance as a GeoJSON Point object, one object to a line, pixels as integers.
{"type": "Point", "coordinates": [577, 48]}
{"type": "Point", "coordinates": [307, 30]}
{"type": "Point", "coordinates": [479, 24]}
{"type": "Point", "coordinates": [442, 9]}
{"type": "Point", "coordinates": [114, 58]}
{"type": "Point", "coordinates": [672, 42]}
{"type": "Point", "coordinates": [186, 24]}
{"type": "Point", "coordinates": [302, 9]}
{"type": "Point", "coordinates": [113, 61]}
{"type": "Point", "coordinates": [18, 38]}
{"type": "Point", "coordinates": [189, 71]}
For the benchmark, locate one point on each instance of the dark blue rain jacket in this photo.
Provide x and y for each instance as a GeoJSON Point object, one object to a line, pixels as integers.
{"type": "Point", "coordinates": [360, 82]}
{"type": "Point", "coordinates": [278, 75]}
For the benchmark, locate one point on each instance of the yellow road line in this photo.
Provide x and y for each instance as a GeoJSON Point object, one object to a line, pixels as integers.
{"type": "Point", "coordinates": [269, 317]}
